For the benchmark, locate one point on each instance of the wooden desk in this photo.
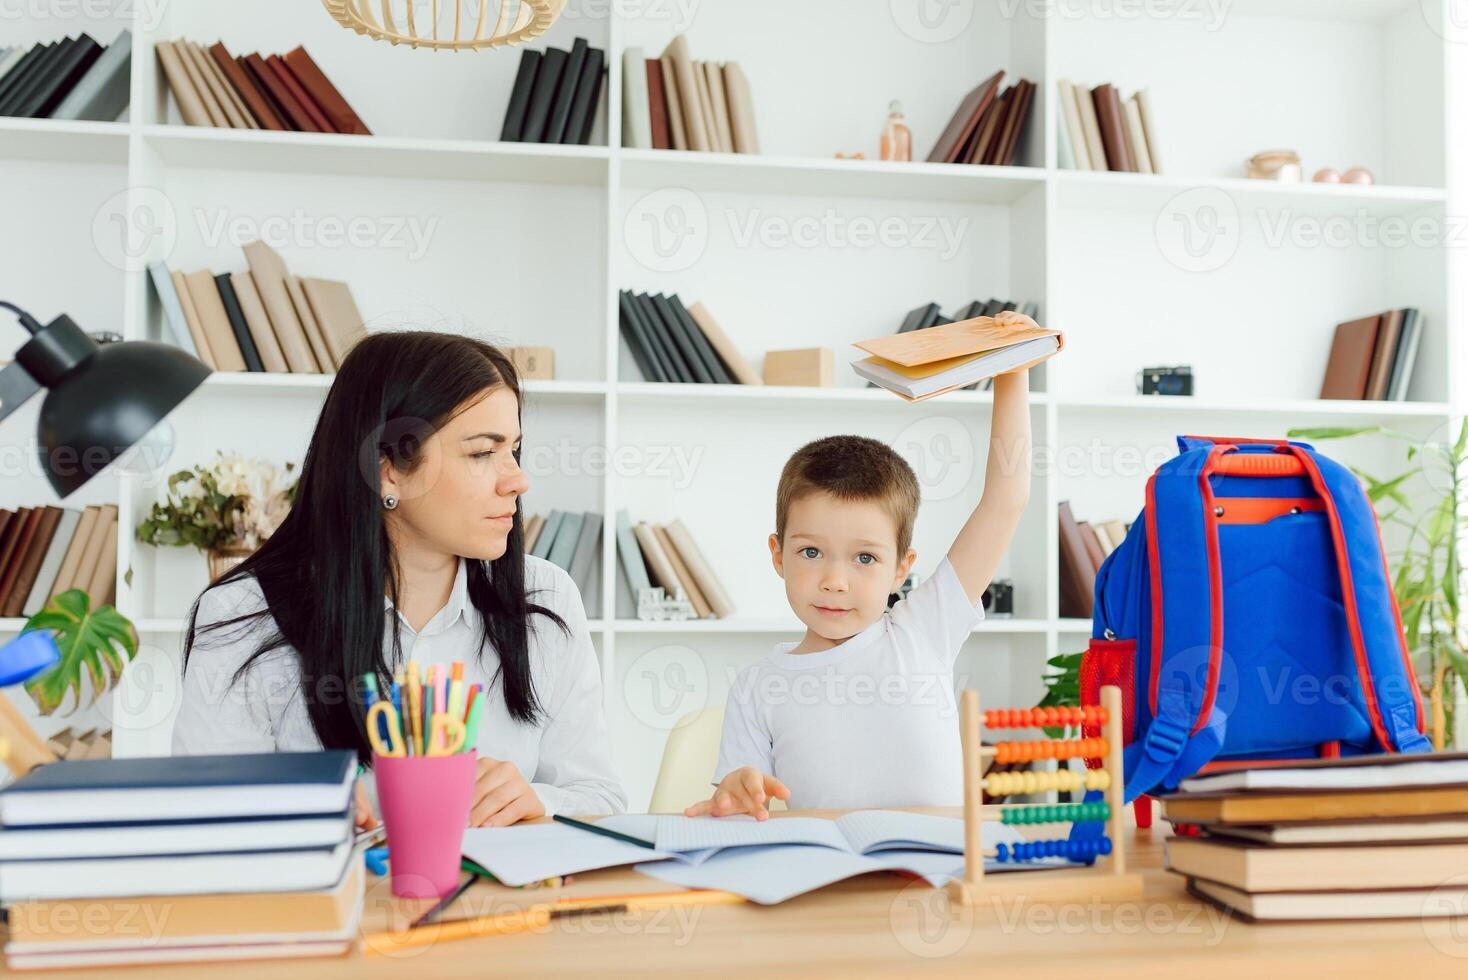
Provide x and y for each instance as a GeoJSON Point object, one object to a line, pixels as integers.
{"type": "Point", "coordinates": [885, 925]}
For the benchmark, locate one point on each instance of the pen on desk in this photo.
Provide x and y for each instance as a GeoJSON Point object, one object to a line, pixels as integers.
{"type": "Point", "coordinates": [585, 825]}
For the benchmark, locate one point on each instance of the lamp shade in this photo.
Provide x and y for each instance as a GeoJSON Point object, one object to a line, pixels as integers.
{"type": "Point", "coordinates": [107, 403]}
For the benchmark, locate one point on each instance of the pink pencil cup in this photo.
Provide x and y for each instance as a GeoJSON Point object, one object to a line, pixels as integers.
{"type": "Point", "coordinates": [425, 804]}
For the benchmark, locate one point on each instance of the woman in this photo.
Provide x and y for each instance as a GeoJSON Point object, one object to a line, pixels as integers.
{"type": "Point", "coordinates": [405, 540]}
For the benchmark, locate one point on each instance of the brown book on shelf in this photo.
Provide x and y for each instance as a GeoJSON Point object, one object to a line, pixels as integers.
{"type": "Point", "coordinates": [1351, 354]}
{"type": "Point", "coordinates": [720, 100]}
{"type": "Point", "coordinates": [677, 129]}
{"type": "Point", "coordinates": [316, 85]}
{"type": "Point", "coordinates": [103, 583]}
{"type": "Point", "coordinates": [13, 549]}
{"type": "Point", "coordinates": [1077, 574]}
{"type": "Point", "coordinates": [701, 607]}
{"type": "Point", "coordinates": [1095, 552]}
{"type": "Point", "coordinates": [86, 570]}
{"type": "Point", "coordinates": [198, 77]}
{"type": "Point", "coordinates": [1021, 114]}
{"type": "Point", "coordinates": [303, 98]}
{"type": "Point", "coordinates": [291, 111]}
{"type": "Point", "coordinates": [191, 317]}
{"type": "Point", "coordinates": [1113, 128]}
{"type": "Point", "coordinates": [706, 108]}
{"type": "Point", "coordinates": [956, 134]}
{"type": "Point", "coordinates": [988, 129]}
{"type": "Point", "coordinates": [657, 104]}
{"type": "Point", "coordinates": [741, 109]}
{"type": "Point", "coordinates": [694, 123]}
{"type": "Point", "coordinates": [1005, 121]}
{"type": "Point", "coordinates": [1270, 868]}
{"type": "Point", "coordinates": [45, 579]}
{"type": "Point", "coordinates": [702, 572]}
{"type": "Point", "coordinates": [227, 99]}
{"type": "Point", "coordinates": [336, 312]}
{"type": "Point", "coordinates": [532, 531]}
{"type": "Point", "coordinates": [215, 321]}
{"type": "Point", "coordinates": [245, 87]}
{"type": "Point", "coordinates": [309, 324]}
{"type": "Point", "coordinates": [1091, 127]}
{"type": "Point", "coordinates": [258, 321]}
{"type": "Point", "coordinates": [658, 565]}
{"type": "Point", "coordinates": [190, 103]}
{"type": "Point", "coordinates": [67, 576]}
{"type": "Point", "coordinates": [30, 562]}
{"type": "Point", "coordinates": [743, 372]}
{"type": "Point", "coordinates": [269, 271]}
{"type": "Point", "coordinates": [1385, 352]}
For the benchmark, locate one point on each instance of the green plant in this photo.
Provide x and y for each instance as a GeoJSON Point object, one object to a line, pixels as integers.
{"type": "Point", "coordinates": [231, 503]}
{"type": "Point", "coordinates": [100, 640]}
{"type": "Point", "coordinates": [1062, 688]}
{"type": "Point", "coordinates": [1426, 570]}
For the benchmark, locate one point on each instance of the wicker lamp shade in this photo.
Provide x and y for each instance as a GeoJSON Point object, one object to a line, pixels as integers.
{"type": "Point", "coordinates": [460, 25]}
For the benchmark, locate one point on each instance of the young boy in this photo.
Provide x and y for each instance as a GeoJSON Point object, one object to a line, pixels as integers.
{"type": "Point", "coordinates": [860, 713]}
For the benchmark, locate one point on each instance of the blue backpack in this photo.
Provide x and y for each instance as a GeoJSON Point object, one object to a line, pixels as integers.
{"type": "Point", "coordinates": [1249, 615]}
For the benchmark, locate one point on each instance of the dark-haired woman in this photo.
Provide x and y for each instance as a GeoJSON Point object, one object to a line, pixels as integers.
{"type": "Point", "coordinates": [406, 540]}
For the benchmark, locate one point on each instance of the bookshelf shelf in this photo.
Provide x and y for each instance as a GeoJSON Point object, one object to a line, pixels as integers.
{"type": "Point", "coordinates": [1103, 189]}
{"type": "Point", "coordinates": [1218, 407]}
{"type": "Point", "coordinates": [56, 141]}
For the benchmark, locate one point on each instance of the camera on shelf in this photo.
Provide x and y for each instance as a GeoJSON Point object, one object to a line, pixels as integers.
{"type": "Point", "coordinates": [1165, 380]}
{"type": "Point", "coordinates": [999, 599]}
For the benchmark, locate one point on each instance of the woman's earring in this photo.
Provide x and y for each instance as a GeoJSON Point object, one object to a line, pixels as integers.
{"type": "Point", "coordinates": [390, 502]}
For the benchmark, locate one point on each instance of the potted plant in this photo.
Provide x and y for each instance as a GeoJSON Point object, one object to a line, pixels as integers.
{"type": "Point", "coordinates": [225, 509]}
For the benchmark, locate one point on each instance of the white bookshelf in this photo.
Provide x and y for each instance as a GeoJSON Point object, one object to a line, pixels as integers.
{"type": "Point", "coordinates": [528, 244]}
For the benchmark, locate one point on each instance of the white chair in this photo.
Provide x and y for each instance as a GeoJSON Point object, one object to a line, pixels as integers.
{"type": "Point", "coordinates": [689, 758]}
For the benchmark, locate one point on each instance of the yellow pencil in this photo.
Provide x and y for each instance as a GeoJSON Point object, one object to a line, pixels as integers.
{"type": "Point", "coordinates": [415, 706]}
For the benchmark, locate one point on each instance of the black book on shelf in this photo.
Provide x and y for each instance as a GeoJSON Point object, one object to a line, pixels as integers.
{"type": "Point", "coordinates": [976, 308]}
{"type": "Point", "coordinates": [102, 94]}
{"type": "Point", "coordinates": [555, 125]}
{"type": "Point", "coordinates": [634, 335]}
{"type": "Point", "coordinates": [520, 96]}
{"type": "Point", "coordinates": [1404, 358]}
{"type": "Point", "coordinates": [588, 89]}
{"type": "Point", "coordinates": [237, 322]}
{"type": "Point", "coordinates": [679, 370]}
{"type": "Point", "coordinates": [716, 367]}
{"type": "Point", "coordinates": [543, 95]}
{"type": "Point", "coordinates": [39, 68]}
{"type": "Point", "coordinates": [684, 342]}
{"type": "Point", "coordinates": [17, 75]}
{"type": "Point", "coordinates": [994, 306]}
{"type": "Point", "coordinates": [68, 70]}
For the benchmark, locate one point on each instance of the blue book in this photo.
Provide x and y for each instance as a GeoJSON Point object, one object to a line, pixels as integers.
{"type": "Point", "coordinates": [567, 536]}
{"type": "Point", "coordinates": [548, 534]}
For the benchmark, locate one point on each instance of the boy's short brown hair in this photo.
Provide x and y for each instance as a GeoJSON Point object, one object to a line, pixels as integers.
{"type": "Point", "coordinates": [851, 468]}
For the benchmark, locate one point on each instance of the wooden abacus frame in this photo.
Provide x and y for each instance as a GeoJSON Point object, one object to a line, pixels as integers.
{"type": "Point", "coordinates": [1107, 879]}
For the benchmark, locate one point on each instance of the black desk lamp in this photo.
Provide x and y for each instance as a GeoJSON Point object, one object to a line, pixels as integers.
{"type": "Point", "coordinates": [100, 399]}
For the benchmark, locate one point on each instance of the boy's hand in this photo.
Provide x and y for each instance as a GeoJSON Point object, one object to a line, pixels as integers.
{"type": "Point", "coordinates": [365, 818]}
{"type": "Point", "coordinates": [1015, 321]}
{"type": "Point", "coordinates": [745, 790]}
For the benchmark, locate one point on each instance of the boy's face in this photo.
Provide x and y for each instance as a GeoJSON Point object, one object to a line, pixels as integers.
{"type": "Point", "coordinates": [839, 561]}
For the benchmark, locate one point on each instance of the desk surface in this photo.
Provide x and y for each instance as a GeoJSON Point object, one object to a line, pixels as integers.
{"type": "Point", "coordinates": [885, 924]}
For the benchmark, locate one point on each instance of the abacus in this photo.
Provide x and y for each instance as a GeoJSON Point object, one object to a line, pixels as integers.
{"type": "Point", "coordinates": [1083, 877]}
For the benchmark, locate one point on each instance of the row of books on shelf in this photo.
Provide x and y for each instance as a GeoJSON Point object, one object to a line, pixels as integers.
{"type": "Point", "coordinates": [263, 319]}
{"type": "Point", "coordinates": [45, 551]}
{"type": "Point", "coordinates": [671, 342]}
{"type": "Point", "coordinates": [571, 540]}
{"type": "Point", "coordinates": [1084, 545]}
{"type": "Point", "coordinates": [1372, 357]}
{"type": "Point", "coordinates": [87, 744]}
{"type": "Point", "coordinates": [1098, 131]}
{"type": "Point", "coordinates": [281, 92]}
{"type": "Point", "coordinates": [224, 857]}
{"type": "Point", "coordinates": [673, 102]}
{"type": "Point", "coordinates": [557, 95]}
{"type": "Point", "coordinates": [73, 78]}
{"type": "Point", "coordinates": [988, 125]}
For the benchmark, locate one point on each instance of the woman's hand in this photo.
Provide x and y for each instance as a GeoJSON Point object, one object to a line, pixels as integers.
{"type": "Point", "coordinates": [366, 819]}
{"type": "Point", "coordinates": [745, 790]}
{"type": "Point", "coordinates": [502, 796]}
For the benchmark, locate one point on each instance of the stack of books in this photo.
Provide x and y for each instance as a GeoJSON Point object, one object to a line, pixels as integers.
{"type": "Point", "coordinates": [988, 126]}
{"type": "Point", "coordinates": [675, 103]}
{"type": "Point", "coordinates": [557, 95]}
{"type": "Point", "coordinates": [921, 363]}
{"type": "Point", "coordinates": [930, 315]}
{"type": "Point", "coordinates": [671, 342]}
{"type": "Point", "coordinates": [45, 551]}
{"type": "Point", "coordinates": [1098, 131]}
{"type": "Point", "coordinates": [1367, 837]}
{"type": "Point", "coordinates": [1084, 545]}
{"type": "Point", "coordinates": [218, 858]}
{"type": "Point", "coordinates": [1372, 358]}
{"type": "Point", "coordinates": [283, 92]}
{"type": "Point", "coordinates": [572, 540]}
{"type": "Point", "coordinates": [264, 319]}
{"type": "Point", "coordinates": [74, 78]}
{"type": "Point", "coordinates": [666, 556]}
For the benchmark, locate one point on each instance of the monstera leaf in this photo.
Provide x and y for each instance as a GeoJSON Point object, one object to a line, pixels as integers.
{"type": "Point", "coordinates": [100, 640]}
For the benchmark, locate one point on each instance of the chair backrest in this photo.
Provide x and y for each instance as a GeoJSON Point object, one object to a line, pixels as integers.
{"type": "Point", "coordinates": [688, 763]}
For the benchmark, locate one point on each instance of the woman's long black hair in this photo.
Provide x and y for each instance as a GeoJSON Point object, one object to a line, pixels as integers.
{"type": "Point", "coordinates": [325, 570]}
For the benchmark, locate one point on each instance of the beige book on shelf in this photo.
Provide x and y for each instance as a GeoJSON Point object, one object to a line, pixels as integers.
{"type": "Point", "coordinates": [741, 109]}
{"type": "Point", "coordinates": [269, 271]}
{"type": "Point", "coordinates": [105, 526]}
{"type": "Point", "coordinates": [310, 324]}
{"type": "Point", "coordinates": [676, 126]}
{"type": "Point", "coordinates": [657, 561]}
{"type": "Point", "coordinates": [258, 321]}
{"type": "Point", "coordinates": [225, 89]}
{"type": "Point", "coordinates": [337, 314]}
{"type": "Point", "coordinates": [703, 573]}
{"type": "Point", "coordinates": [66, 577]}
{"type": "Point", "coordinates": [720, 101]}
{"type": "Point", "coordinates": [103, 586]}
{"type": "Point", "coordinates": [532, 531]}
{"type": "Point", "coordinates": [1137, 136]}
{"type": "Point", "coordinates": [693, 118]}
{"type": "Point", "coordinates": [191, 317]}
{"type": "Point", "coordinates": [706, 108]}
{"type": "Point", "coordinates": [196, 77]}
{"type": "Point", "coordinates": [1070, 110]}
{"type": "Point", "coordinates": [1091, 126]}
{"type": "Point", "coordinates": [743, 372]}
{"type": "Point", "coordinates": [214, 81]}
{"type": "Point", "coordinates": [1116, 531]}
{"type": "Point", "coordinates": [190, 104]}
{"type": "Point", "coordinates": [1149, 127]}
{"type": "Point", "coordinates": [215, 321]}
{"type": "Point", "coordinates": [79, 746]}
{"type": "Point", "coordinates": [701, 607]}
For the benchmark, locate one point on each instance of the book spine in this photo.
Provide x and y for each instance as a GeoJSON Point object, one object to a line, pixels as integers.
{"type": "Point", "coordinates": [588, 87]}
{"type": "Point", "coordinates": [520, 96]}
{"type": "Point", "coordinates": [560, 114]}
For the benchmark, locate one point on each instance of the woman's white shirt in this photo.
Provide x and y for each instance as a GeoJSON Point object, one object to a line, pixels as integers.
{"type": "Point", "coordinates": [564, 755]}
